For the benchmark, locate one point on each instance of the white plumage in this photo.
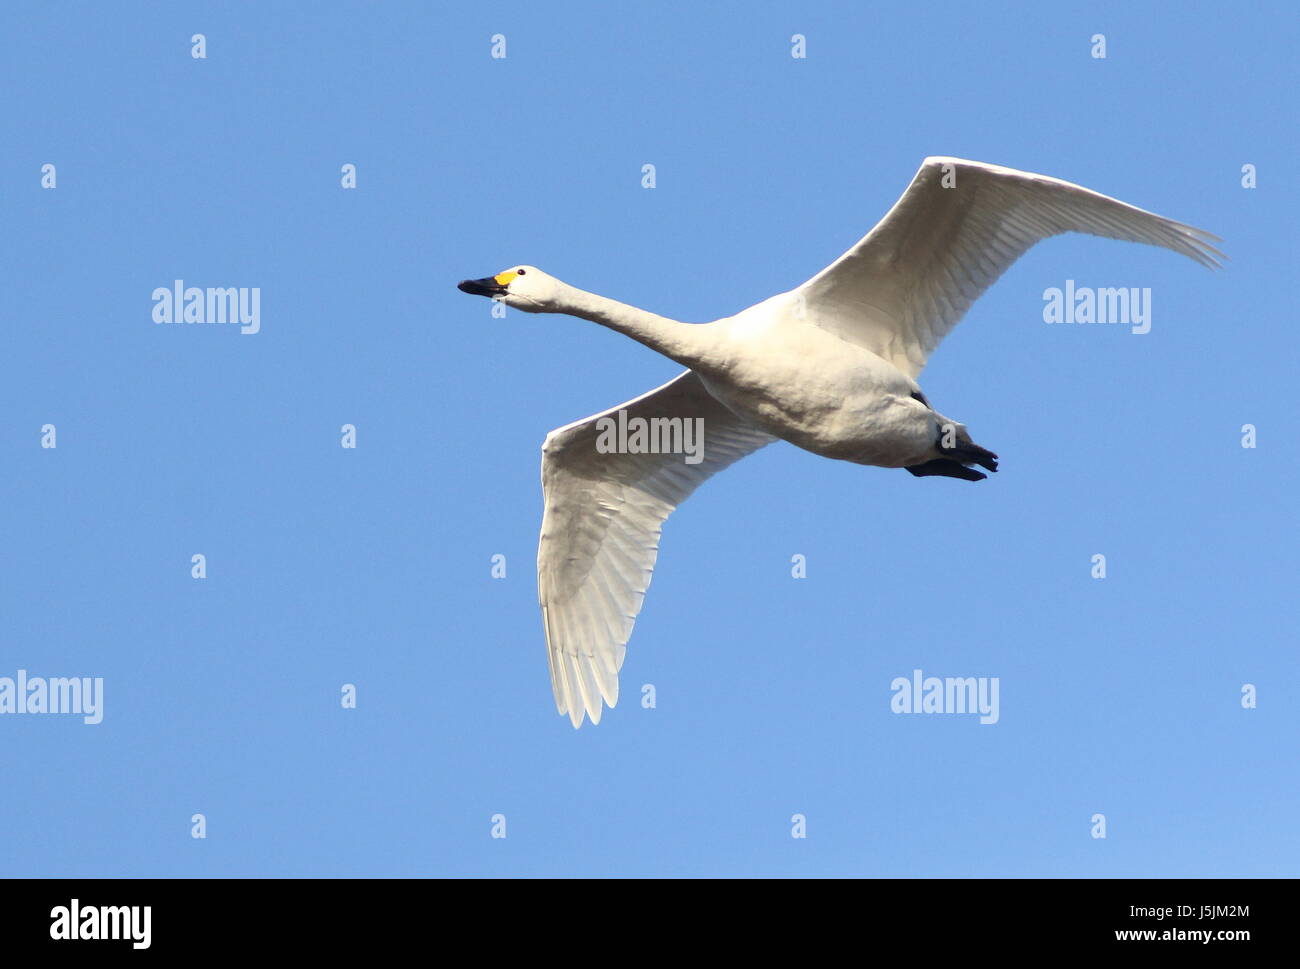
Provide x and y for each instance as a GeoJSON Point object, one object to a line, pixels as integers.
{"type": "Point", "coordinates": [830, 366]}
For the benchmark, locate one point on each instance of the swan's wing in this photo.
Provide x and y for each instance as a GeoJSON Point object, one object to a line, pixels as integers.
{"type": "Point", "coordinates": [600, 533]}
{"type": "Point", "coordinates": [905, 285]}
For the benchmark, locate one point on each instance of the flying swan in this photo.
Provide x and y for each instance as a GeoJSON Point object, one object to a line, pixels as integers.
{"type": "Point", "coordinates": [830, 366]}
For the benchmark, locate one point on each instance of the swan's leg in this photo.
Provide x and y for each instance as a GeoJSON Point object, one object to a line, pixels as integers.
{"type": "Point", "coordinates": [946, 468]}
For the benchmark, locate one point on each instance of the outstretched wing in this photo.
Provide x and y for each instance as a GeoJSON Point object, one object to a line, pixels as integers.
{"type": "Point", "coordinates": [956, 229]}
{"type": "Point", "coordinates": [600, 532]}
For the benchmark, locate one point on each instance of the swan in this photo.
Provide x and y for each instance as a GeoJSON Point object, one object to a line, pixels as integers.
{"type": "Point", "coordinates": [829, 366]}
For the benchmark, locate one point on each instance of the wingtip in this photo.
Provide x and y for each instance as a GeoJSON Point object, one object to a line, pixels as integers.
{"type": "Point", "coordinates": [1201, 244]}
{"type": "Point", "coordinates": [574, 697]}
{"type": "Point", "coordinates": [579, 715]}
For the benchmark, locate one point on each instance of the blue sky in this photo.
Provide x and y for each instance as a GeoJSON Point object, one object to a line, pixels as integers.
{"type": "Point", "coordinates": [371, 566]}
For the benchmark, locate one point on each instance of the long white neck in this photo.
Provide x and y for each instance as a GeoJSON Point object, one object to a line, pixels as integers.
{"type": "Point", "coordinates": [687, 343]}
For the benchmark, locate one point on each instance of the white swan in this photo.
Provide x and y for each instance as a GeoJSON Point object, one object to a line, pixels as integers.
{"type": "Point", "coordinates": [830, 366]}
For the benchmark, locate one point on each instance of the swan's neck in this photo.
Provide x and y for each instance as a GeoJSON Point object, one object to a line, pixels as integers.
{"type": "Point", "coordinates": [686, 343]}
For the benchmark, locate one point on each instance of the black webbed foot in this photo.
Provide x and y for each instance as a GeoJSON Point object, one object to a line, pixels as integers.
{"type": "Point", "coordinates": [943, 467]}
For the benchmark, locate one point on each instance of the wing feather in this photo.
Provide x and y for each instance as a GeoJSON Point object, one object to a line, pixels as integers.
{"type": "Point", "coordinates": [956, 229]}
{"type": "Point", "coordinates": [600, 534]}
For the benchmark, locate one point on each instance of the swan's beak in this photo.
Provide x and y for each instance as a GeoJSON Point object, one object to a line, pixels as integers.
{"type": "Point", "coordinates": [481, 287]}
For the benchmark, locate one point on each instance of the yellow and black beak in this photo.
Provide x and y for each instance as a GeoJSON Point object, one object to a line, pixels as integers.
{"type": "Point", "coordinates": [489, 286]}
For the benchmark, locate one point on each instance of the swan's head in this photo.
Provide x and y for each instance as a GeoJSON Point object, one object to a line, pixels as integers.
{"type": "Point", "coordinates": [525, 288]}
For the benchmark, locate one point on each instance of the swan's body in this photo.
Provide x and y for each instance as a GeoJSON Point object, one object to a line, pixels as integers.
{"type": "Point", "coordinates": [803, 384]}
{"type": "Point", "coordinates": [830, 366]}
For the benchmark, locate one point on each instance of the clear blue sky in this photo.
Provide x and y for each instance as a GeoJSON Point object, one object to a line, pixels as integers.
{"type": "Point", "coordinates": [372, 566]}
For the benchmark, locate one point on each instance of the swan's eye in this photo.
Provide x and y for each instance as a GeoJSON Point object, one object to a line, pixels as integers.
{"type": "Point", "coordinates": [521, 272]}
